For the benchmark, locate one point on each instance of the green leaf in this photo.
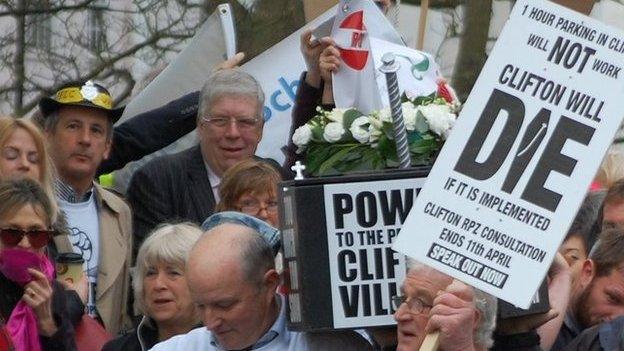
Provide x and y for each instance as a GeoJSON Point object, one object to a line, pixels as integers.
{"type": "Point", "coordinates": [424, 146]}
{"type": "Point", "coordinates": [422, 126]}
{"type": "Point", "coordinates": [387, 149]}
{"type": "Point", "coordinates": [413, 136]}
{"type": "Point", "coordinates": [330, 163]}
{"type": "Point", "coordinates": [350, 116]}
{"type": "Point", "coordinates": [317, 133]}
{"type": "Point", "coordinates": [425, 99]}
{"type": "Point", "coordinates": [404, 97]}
{"type": "Point", "coordinates": [388, 129]}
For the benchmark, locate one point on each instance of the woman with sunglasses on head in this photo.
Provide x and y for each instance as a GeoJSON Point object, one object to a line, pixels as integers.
{"type": "Point", "coordinates": [250, 187]}
{"type": "Point", "coordinates": [32, 303]}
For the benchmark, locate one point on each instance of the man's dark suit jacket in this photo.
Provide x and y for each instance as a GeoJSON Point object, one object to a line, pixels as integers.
{"type": "Point", "coordinates": [170, 188]}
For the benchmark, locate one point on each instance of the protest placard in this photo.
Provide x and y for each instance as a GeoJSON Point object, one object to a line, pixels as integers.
{"type": "Point", "coordinates": [510, 178]}
{"type": "Point", "coordinates": [362, 222]}
{"type": "Point", "coordinates": [337, 234]}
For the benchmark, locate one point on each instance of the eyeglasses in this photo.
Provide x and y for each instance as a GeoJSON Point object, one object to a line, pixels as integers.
{"type": "Point", "coordinates": [414, 304]}
{"type": "Point", "coordinates": [253, 207]}
{"type": "Point", "coordinates": [243, 123]}
{"type": "Point", "coordinates": [37, 238]}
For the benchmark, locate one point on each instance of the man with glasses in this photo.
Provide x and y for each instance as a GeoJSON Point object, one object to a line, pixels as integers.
{"type": "Point", "coordinates": [432, 301]}
{"type": "Point", "coordinates": [78, 124]}
{"type": "Point", "coordinates": [184, 186]}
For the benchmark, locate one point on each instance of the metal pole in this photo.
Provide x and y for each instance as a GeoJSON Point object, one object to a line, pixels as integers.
{"type": "Point", "coordinates": [390, 68]}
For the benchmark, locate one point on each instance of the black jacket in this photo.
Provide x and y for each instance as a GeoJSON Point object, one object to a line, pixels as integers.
{"type": "Point", "coordinates": [143, 338]}
{"type": "Point", "coordinates": [151, 131]}
{"type": "Point", "coordinates": [63, 340]}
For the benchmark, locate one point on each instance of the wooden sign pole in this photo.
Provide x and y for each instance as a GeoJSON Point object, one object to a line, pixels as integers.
{"type": "Point", "coordinates": [582, 6]}
{"type": "Point", "coordinates": [315, 8]}
{"type": "Point", "coordinates": [431, 342]}
{"type": "Point", "coordinates": [422, 24]}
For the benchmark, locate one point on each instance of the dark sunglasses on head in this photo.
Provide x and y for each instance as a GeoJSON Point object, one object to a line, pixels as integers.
{"type": "Point", "coordinates": [38, 238]}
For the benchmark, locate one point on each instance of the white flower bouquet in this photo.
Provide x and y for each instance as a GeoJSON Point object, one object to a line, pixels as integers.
{"type": "Point", "coordinates": [345, 140]}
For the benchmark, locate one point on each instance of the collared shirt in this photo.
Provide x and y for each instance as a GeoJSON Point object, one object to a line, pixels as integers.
{"type": "Point", "coordinates": [67, 193]}
{"type": "Point", "coordinates": [215, 181]}
{"type": "Point", "coordinates": [278, 338]}
{"type": "Point", "coordinates": [569, 330]}
{"type": "Point", "coordinates": [279, 327]}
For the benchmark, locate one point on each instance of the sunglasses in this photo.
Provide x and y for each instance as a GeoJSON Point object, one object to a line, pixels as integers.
{"type": "Point", "coordinates": [37, 238]}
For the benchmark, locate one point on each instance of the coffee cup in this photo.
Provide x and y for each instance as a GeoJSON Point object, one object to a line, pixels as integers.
{"type": "Point", "coordinates": [69, 267]}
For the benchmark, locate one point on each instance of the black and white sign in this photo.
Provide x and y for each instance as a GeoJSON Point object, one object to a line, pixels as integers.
{"type": "Point", "coordinates": [363, 220]}
{"type": "Point", "coordinates": [525, 148]}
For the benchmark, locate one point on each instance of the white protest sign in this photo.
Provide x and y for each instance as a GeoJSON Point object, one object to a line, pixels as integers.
{"type": "Point", "coordinates": [363, 219]}
{"type": "Point", "coordinates": [525, 148]}
{"type": "Point", "coordinates": [355, 24]}
{"type": "Point", "coordinates": [418, 72]}
{"type": "Point", "coordinates": [278, 70]}
{"type": "Point", "coordinates": [190, 68]}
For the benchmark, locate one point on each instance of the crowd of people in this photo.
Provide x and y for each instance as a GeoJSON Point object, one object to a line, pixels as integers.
{"type": "Point", "coordinates": [189, 258]}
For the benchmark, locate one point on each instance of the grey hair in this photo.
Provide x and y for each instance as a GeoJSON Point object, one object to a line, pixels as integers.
{"type": "Point", "coordinates": [487, 306]}
{"type": "Point", "coordinates": [485, 303]}
{"type": "Point", "coordinates": [169, 243]}
{"type": "Point", "coordinates": [52, 119]}
{"type": "Point", "coordinates": [257, 258]}
{"type": "Point", "coordinates": [229, 82]}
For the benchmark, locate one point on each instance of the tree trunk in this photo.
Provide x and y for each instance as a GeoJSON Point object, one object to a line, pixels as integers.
{"type": "Point", "coordinates": [19, 76]}
{"type": "Point", "coordinates": [472, 55]}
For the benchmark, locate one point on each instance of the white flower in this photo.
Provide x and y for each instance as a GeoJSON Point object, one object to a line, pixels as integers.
{"type": "Point", "coordinates": [359, 131]}
{"type": "Point", "coordinates": [375, 134]}
{"type": "Point", "coordinates": [439, 118]}
{"type": "Point", "coordinates": [336, 115]}
{"type": "Point", "coordinates": [409, 115]}
{"type": "Point", "coordinates": [385, 115]}
{"type": "Point", "coordinates": [333, 132]}
{"type": "Point", "coordinates": [302, 135]}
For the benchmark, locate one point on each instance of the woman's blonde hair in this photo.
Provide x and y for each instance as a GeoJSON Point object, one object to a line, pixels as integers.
{"type": "Point", "coordinates": [612, 168]}
{"type": "Point", "coordinates": [247, 176]}
{"type": "Point", "coordinates": [169, 243]}
{"type": "Point", "coordinates": [8, 125]}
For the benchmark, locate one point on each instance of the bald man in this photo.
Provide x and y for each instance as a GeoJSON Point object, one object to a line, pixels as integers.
{"type": "Point", "coordinates": [233, 282]}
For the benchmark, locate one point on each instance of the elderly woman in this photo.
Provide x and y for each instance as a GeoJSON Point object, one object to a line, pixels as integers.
{"type": "Point", "coordinates": [160, 289]}
{"type": "Point", "coordinates": [31, 302]}
{"type": "Point", "coordinates": [250, 187]}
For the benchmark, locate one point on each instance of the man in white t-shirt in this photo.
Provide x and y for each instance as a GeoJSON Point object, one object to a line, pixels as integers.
{"type": "Point", "coordinates": [232, 280]}
{"type": "Point", "coordinates": [78, 123]}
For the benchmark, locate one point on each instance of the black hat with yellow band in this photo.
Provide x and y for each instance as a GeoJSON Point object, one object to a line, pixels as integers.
{"type": "Point", "coordinates": [89, 94]}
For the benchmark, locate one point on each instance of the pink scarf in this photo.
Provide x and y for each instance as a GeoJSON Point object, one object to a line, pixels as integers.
{"type": "Point", "coordinates": [22, 324]}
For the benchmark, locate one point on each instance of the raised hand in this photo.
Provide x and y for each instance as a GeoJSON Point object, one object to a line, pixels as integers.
{"type": "Point", "coordinates": [455, 317]}
{"type": "Point", "coordinates": [38, 295]}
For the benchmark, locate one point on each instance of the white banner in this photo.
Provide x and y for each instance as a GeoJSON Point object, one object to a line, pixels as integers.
{"type": "Point", "coordinates": [418, 72]}
{"type": "Point", "coordinates": [278, 70]}
{"type": "Point", "coordinates": [525, 148]}
{"type": "Point", "coordinates": [189, 70]}
{"type": "Point", "coordinates": [363, 219]}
